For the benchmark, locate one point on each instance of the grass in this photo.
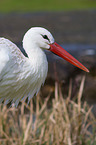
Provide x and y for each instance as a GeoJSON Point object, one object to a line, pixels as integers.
{"type": "Point", "coordinates": [67, 122]}
{"type": "Point", "coordinates": [7, 6]}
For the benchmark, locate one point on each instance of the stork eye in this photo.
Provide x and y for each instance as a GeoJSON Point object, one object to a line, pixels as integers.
{"type": "Point", "coordinates": [45, 37]}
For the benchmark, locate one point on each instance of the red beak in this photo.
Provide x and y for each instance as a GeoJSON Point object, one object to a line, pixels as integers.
{"type": "Point", "coordinates": [57, 49]}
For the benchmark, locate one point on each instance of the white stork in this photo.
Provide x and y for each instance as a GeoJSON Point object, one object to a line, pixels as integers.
{"type": "Point", "coordinates": [22, 76]}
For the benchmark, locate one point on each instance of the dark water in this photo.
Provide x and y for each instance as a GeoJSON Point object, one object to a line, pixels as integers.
{"type": "Point", "coordinates": [81, 49]}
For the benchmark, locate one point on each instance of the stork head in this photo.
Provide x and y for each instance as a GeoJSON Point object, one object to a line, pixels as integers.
{"type": "Point", "coordinates": [39, 36]}
{"type": "Point", "coordinates": [42, 38]}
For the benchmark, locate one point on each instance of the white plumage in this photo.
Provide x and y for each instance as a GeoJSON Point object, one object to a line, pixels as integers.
{"type": "Point", "coordinates": [21, 76]}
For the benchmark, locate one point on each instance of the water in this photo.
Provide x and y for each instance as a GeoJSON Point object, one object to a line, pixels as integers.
{"type": "Point", "coordinates": [80, 49]}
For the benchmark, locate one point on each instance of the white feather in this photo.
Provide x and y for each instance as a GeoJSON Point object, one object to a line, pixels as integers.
{"type": "Point", "coordinates": [20, 76]}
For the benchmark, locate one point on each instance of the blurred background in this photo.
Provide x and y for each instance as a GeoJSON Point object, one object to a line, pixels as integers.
{"type": "Point", "coordinates": [73, 25]}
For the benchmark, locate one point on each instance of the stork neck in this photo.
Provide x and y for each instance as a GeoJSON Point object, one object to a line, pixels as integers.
{"type": "Point", "coordinates": [30, 48]}
{"type": "Point", "coordinates": [33, 51]}
{"type": "Point", "coordinates": [37, 60]}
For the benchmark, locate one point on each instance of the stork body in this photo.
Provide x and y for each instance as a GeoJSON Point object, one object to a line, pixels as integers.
{"type": "Point", "coordinates": [22, 76]}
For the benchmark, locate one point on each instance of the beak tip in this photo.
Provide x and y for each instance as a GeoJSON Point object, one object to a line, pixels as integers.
{"type": "Point", "coordinates": [87, 71]}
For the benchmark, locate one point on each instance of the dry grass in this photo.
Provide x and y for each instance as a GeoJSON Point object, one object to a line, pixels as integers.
{"type": "Point", "coordinates": [67, 122]}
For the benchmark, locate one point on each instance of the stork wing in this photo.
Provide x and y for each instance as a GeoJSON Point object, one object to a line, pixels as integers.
{"type": "Point", "coordinates": [11, 61]}
{"type": "Point", "coordinates": [4, 56]}
{"type": "Point", "coordinates": [7, 52]}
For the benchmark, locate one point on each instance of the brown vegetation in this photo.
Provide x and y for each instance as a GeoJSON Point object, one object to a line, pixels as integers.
{"type": "Point", "coordinates": [66, 122]}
